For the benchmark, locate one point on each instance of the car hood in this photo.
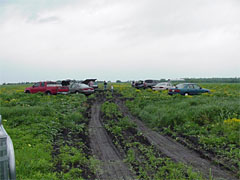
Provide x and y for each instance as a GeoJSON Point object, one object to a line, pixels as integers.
{"type": "Point", "coordinates": [207, 90]}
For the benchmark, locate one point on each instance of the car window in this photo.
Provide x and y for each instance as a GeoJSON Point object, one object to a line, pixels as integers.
{"type": "Point", "coordinates": [180, 86]}
{"type": "Point", "coordinates": [148, 81]}
{"type": "Point", "coordinates": [190, 86]}
{"type": "Point", "coordinates": [196, 86]}
{"type": "Point", "coordinates": [73, 85]}
{"type": "Point", "coordinates": [42, 84]}
{"type": "Point", "coordinates": [37, 84]}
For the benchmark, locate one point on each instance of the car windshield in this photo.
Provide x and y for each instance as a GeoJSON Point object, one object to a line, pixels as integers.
{"type": "Point", "coordinates": [180, 86]}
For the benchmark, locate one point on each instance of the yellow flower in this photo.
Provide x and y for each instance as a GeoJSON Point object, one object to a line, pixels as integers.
{"type": "Point", "coordinates": [29, 145]}
{"type": "Point", "coordinates": [233, 120]}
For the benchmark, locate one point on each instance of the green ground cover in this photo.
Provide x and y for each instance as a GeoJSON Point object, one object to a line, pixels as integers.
{"type": "Point", "coordinates": [212, 121]}
{"type": "Point", "coordinates": [49, 134]}
{"type": "Point", "coordinates": [144, 160]}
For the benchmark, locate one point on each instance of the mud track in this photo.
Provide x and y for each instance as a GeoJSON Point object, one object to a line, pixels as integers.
{"type": "Point", "coordinates": [112, 165]}
{"type": "Point", "coordinates": [176, 151]}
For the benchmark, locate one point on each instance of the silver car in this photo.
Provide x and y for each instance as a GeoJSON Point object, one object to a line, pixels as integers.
{"type": "Point", "coordinates": [81, 88]}
{"type": "Point", "coordinates": [162, 86]}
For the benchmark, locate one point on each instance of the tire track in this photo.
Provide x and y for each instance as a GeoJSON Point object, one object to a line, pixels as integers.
{"type": "Point", "coordinates": [112, 166]}
{"type": "Point", "coordinates": [176, 151]}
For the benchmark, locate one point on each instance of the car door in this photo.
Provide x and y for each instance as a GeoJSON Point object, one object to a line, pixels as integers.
{"type": "Point", "coordinates": [197, 89]}
{"type": "Point", "coordinates": [73, 88]}
{"type": "Point", "coordinates": [41, 87]}
{"type": "Point", "coordinates": [35, 88]}
{"type": "Point", "coordinates": [190, 89]}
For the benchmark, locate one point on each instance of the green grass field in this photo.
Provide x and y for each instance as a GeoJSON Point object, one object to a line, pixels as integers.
{"type": "Point", "coordinates": [50, 133]}
{"type": "Point", "coordinates": [211, 121]}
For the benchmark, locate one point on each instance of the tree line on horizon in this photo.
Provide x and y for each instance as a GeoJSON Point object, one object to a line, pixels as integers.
{"type": "Point", "coordinates": [187, 80]}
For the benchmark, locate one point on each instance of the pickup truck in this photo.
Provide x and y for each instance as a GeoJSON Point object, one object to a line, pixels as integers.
{"type": "Point", "coordinates": [47, 88]}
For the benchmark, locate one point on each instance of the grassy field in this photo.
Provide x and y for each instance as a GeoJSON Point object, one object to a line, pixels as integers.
{"type": "Point", "coordinates": [211, 122]}
{"type": "Point", "coordinates": [50, 133]}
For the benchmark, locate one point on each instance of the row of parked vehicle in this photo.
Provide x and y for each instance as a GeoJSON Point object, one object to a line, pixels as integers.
{"type": "Point", "coordinates": [182, 88]}
{"type": "Point", "coordinates": [86, 87]}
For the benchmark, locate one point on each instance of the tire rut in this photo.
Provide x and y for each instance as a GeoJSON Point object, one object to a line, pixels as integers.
{"type": "Point", "coordinates": [176, 151]}
{"type": "Point", "coordinates": [112, 165]}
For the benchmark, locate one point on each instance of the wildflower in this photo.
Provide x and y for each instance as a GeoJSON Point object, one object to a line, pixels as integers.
{"type": "Point", "coordinates": [29, 145]}
{"type": "Point", "coordinates": [4, 120]}
{"type": "Point", "coordinates": [233, 120]}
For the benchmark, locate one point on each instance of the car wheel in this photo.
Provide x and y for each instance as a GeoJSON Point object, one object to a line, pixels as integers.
{"type": "Point", "coordinates": [48, 93]}
{"type": "Point", "coordinates": [77, 92]}
{"type": "Point", "coordinates": [27, 92]}
{"type": "Point", "coordinates": [186, 94]}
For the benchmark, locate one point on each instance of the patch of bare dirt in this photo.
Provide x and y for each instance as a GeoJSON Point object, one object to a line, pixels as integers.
{"type": "Point", "coordinates": [112, 165]}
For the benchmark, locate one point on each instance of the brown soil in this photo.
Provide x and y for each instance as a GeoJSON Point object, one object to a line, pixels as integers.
{"type": "Point", "coordinates": [176, 151]}
{"type": "Point", "coordinates": [112, 165]}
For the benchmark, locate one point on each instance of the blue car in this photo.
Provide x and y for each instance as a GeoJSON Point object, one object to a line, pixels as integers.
{"type": "Point", "coordinates": [187, 89]}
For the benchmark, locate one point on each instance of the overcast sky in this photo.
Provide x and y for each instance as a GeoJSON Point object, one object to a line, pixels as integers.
{"type": "Point", "coordinates": [118, 39]}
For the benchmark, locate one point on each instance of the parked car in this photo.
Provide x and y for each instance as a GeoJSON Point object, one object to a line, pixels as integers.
{"type": "Point", "coordinates": [47, 88]}
{"type": "Point", "coordinates": [139, 84]}
{"type": "Point", "coordinates": [91, 82]}
{"type": "Point", "coordinates": [150, 83]}
{"type": "Point", "coordinates": [81, 88]}
{"type": "Point", "coordinates": [162, 86]}
{"type": "Point", "coordinates": [187, 89]}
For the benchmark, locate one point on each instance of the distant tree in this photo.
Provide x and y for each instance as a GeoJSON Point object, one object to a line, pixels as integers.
{"type": "Point", "coordinates": [118, 81]}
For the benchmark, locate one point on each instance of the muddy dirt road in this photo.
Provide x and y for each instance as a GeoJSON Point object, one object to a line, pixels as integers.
{"type": "Point", "coordinates": [112, 165]}
{"type": "Point", "coordinates": [176, 151]}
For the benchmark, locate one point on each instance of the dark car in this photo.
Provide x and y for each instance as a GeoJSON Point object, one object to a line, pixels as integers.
{"type": "Point", "coordinates": [139, 84]}
{"type": "Point", "coordinates": [187, 89]}
{"type": "Point", "coordinates": [150, 83]}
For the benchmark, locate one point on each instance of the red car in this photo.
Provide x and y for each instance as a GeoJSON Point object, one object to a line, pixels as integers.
{"type": "Point", "coordinates": [47, 88]}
